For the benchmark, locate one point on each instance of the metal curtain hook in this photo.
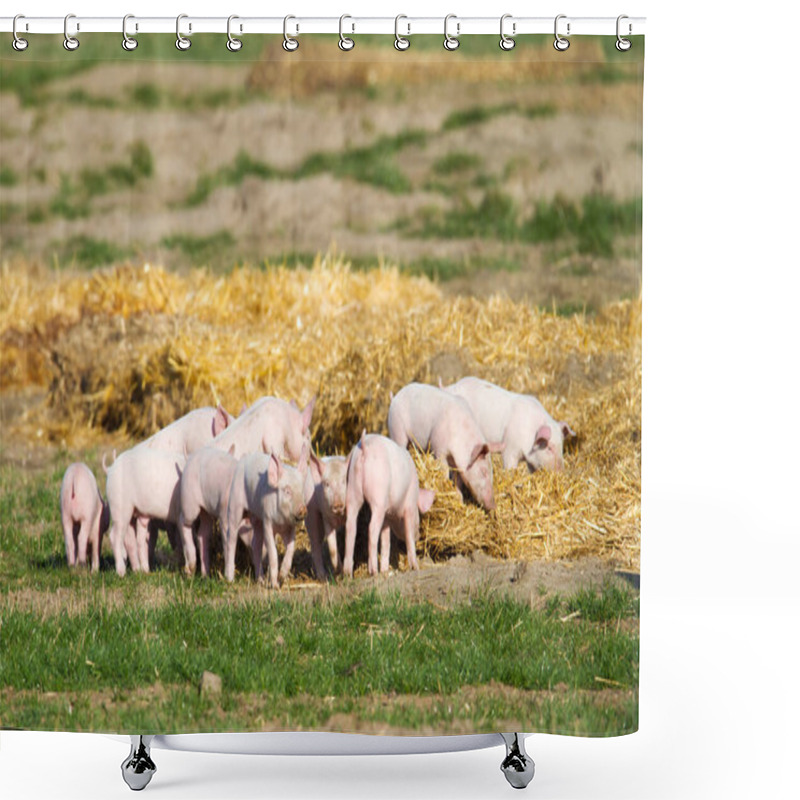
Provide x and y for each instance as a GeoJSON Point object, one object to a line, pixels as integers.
{"type": "Point", "coordinates": [506, 42]}
{"type": "Point", "coordinates": [234, 44]}
{"type": "Point", "coordinates": [290, 43]}
{"type": "Point", "coordinates": [400, 42]}
{"type": "Point", "coordinates": [128, 43]}
{"type": "Point", "coordinates": [18, 43]}
{"type": "Point", "coordinates": [182, 43]}
{"type": "Point", "coordinates": [70, 42]}
{"type": "Point", "coordinates": [345, 42]}
{"type": "Point", "coordinates": [451, 42]}
{"type": "Point", "coordinates": [560, 43]}
{"type": "Point", "coordinates": [623, 44]}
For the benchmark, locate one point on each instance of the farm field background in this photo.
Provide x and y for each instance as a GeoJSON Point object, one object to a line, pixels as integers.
{"type": "Point", "coordinates": [337, 238]}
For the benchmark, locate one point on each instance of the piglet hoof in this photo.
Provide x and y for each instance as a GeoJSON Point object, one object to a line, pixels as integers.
{"type": "Point", "coordinates": [138, 768]}
{"type": "Point", "coordinates": [517, 766]}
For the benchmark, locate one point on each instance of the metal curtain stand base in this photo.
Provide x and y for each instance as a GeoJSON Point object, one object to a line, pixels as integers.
{"type": "Point", "coordinates": [138, 768]}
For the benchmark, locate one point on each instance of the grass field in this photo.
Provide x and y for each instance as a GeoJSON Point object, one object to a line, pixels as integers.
{"type": "Point", "coordinates": [82, 651]}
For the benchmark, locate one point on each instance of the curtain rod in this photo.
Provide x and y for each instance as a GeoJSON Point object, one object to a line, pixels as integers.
{"type": "Point", "coordinates": [297, 26]}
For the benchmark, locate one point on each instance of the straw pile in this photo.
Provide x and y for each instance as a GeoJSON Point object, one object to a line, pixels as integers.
{"type": "Point", "coordinates": [298, 73]}
{"type": "Point", "coordinates": [129, 349]}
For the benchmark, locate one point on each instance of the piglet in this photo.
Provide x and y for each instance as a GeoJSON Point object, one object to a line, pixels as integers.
{"type": "Point", "coordinates": [270, 425]}
{"type": "Point", "coordinates": [383, 474]}
{"type": "Point", "coordinates": [142, 484]}
{"type": "Point", "coordinates": [84, 515]}
{"type": "Point", "coordinates": [432, 418]}
{"type": "Point", "coordinates": [272, 496]}
{"type": "Point", "coordinates": [326, 507]}
{"type": "Point", "coordinates": [192, 431]}
{"type": "Point", "coordinates": [520, 421]}
{"type": "Point", "coordinates": [204, 491]}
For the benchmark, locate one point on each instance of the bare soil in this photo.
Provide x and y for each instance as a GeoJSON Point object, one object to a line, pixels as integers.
{"type": "Point", "coordinates": [443, 584]}
{"type": "Point", "coordinates": [589, 144]}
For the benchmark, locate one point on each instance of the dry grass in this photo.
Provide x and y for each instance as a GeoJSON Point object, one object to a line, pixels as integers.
{"type": "Point", "coordinates": [131, 348]}
{"type": "Point", "coordinates": [298, 74]}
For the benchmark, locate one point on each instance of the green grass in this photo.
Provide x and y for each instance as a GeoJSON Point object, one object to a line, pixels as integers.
{"type": "Point", "coordinates": [8, 211]}
{"type": "Point", "coordinates": [593, 224]}
{"type": "Point", "coordinates": [202, 249]}
{"type": "Point", "coordinates": [444, 269]}
{"type": "Point", "coordinates": [327, 649]}
{"type": "Point", "coordinates": [286, 660]}
{"type": "Point", "coordinates": [8, 176]}
{"type": "Point", "coordinates": [157, 708]}
{"type": "Point", "coordinates": [82, 97]}
{"type": "Point", "coordinates": [121, 175]}
{"type": "Point", "coordinates": [475, 115]}
{"type": "Point", "coordinates": [243, 166]}
{"type": "Point", "coordinates": [149, 96]}
{"type": "Point", "coordinates": [28, 74]}
{"type": "Point", "coordinates": [609, 74]}
{"type": "Point", "coordinates": [374, 164]}
{"type": "Point", "coordinates": [88, 253]}
{"type": "Point", "coordinates": [456, 162]}
{"type": "Point", "coordinates": [73, 198]}
{"type": "Point", "coordinates": [70, 201]}
{"type": "Point", "coordinates": [607, 603]}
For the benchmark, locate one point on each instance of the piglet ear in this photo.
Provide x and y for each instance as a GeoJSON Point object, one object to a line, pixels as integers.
{"type": "Point", "coordinates": [425, 500]}
{"type": "Point", "coordinates": [317, 468]}
{"type": "Point", "coordinates": [497, 447]}
{"type": "Point", "coordinates": [220, 422]}
{"type": "Point", "coordinates": [542, 437]}
{"type": "Point", "coordinates": [566, 431]}
{"type": "Point", "coordinates": [307, 412]}
{"type": "Point", "coordinates": [274, 470]}
{"type": "Point", "coordinates": [479, 451]}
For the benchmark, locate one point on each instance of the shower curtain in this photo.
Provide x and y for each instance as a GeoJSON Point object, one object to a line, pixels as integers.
{"type": "Point", "coordinates": [426, 263]}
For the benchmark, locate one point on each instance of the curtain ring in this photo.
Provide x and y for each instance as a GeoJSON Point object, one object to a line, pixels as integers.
{"type": "Point", "coordinates": [560, 43]}
{"type": "Point", "coordinates": [128, 42]}
{"type": "Point", "coordinates": [290, 43]}
{"type": "Point", "coordinates": [345, 42]}
{"type": "Point", "coordinates": [506, 42]}
{"type": "Point", "coordinates": [18, 43]}
{"type": "Point", "coordinates": [623, 44]}
{"type": "Point", "coordinates": [233, 44]}
{"type": "Point", "coordinates": [400, 42]}
{"type": "Point", "coordinates": [450, 42]}
{"type": "Point", "coordinates": [182, 43]}
{"type": "Point", "coordinates": [70, 42]}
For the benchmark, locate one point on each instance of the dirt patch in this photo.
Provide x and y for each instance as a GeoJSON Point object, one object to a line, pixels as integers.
{"type": "Point", "coordinates": [459, 712]}
{"type": "Point", "coordinates": [584, 139]}
{"type": "Point", "coordinates": [444, 585]}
